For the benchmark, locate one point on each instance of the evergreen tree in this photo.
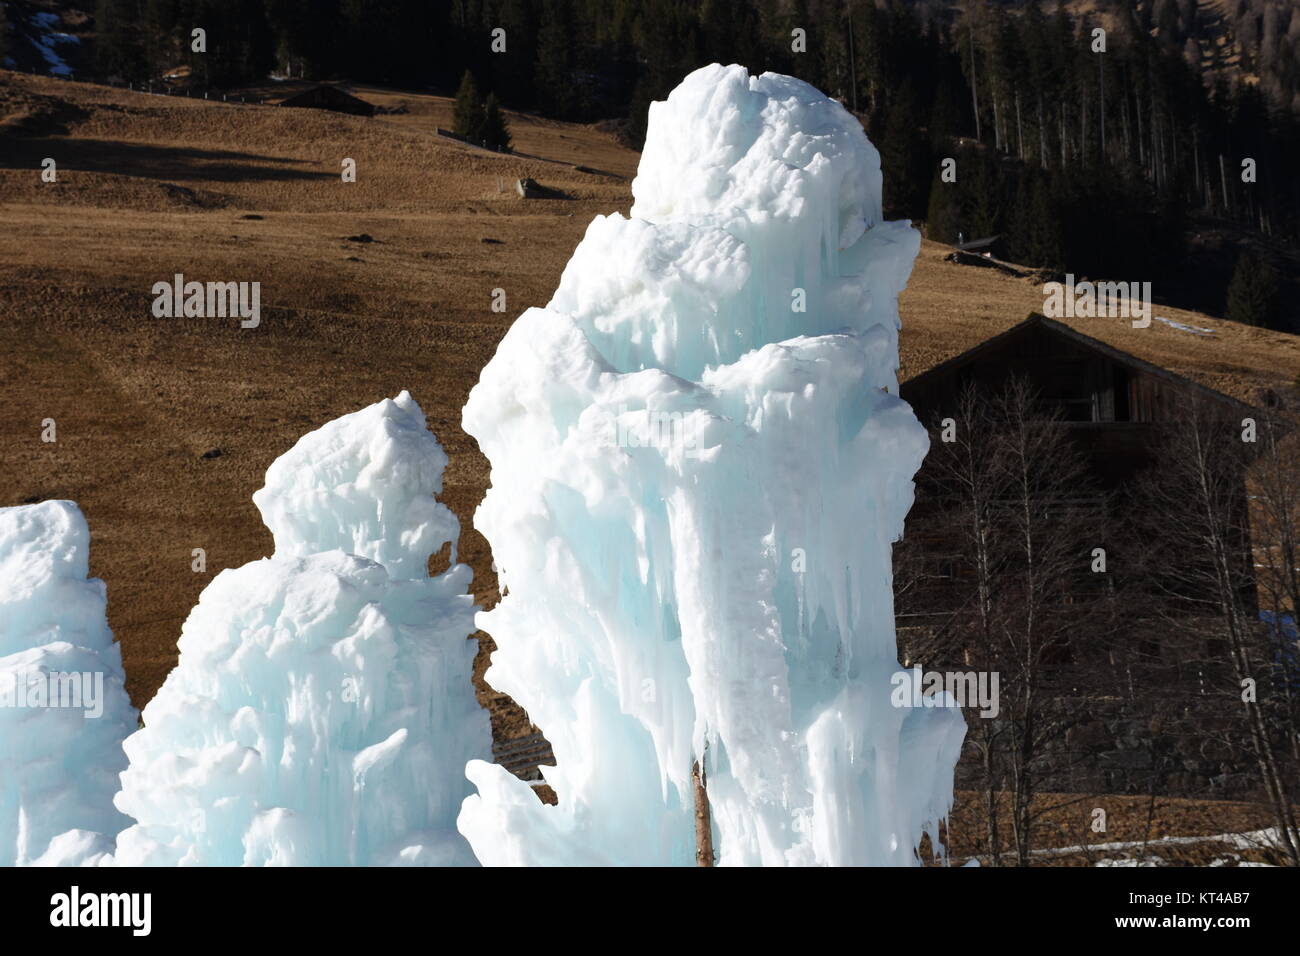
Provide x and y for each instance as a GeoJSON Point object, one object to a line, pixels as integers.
{"type": "Point", "coordinates": [556, 92]}
{"type": "Point", "coordinates": [1045, 225]}
{"type": "Point", "coordinates": [309, 35]}
{"type": "Point", "coordinates": [468, 114]}
{"type": "Point", "coordinates": [947, 119]}
{"type": "Point", "coordinates": [667, 36]}
{"type": "Point", "coordinates": [239, 45]}
{"type": "Point", "coordinates": [1253, 293]}
{"type": "Point", "coordinates": [119, 49]}
{"type": "Point", "coordinates": [495, 132]}
{"type": "Point", "coordinates": [905, 158]}
{"type": "Point", "coordinates": [943, 219]}
{"type": "Point", "coordinates": [512, 72]}
{"type": "Point", "coordinates": [1035, 238]}
{"type": "Point", "coordinates": [162, 35]}
{"type": "Point", "coordinates": [984, 204]}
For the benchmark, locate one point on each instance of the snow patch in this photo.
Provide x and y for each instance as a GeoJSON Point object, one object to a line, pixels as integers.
{"type": "Point", "coordinates": [46, 38]}
{"type": "Point", "coordinates": [1195, 330]}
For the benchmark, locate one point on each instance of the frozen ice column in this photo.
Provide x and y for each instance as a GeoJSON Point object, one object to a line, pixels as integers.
{"type": "Point", "coordinates": [64, 711]}
{"type": "Point", "coordinates": [322, 711]}
{"type": "Point", "coordinates": [699, 464]}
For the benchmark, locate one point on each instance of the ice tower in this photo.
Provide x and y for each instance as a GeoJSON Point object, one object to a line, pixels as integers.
{"type": "Point", "coordinates": [699, 464]}
{"type": "Point", "coordinates": [322, 711]}
{"type": "Point", "coordinates": [63, 707]}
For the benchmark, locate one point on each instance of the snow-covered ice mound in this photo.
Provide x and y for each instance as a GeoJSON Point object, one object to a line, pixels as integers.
{"type": "Point", "coordinates": [322, 711]}
{"type": "Point", "coordinates": [699, 464]}
{"type": "Point", "coordinates": [63, 707]}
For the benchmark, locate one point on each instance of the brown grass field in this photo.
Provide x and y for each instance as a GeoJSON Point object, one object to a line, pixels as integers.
{"type": "Point", "coordinates": [149, 186]}
{"type": "Point", "coordinates": [1158, 831]}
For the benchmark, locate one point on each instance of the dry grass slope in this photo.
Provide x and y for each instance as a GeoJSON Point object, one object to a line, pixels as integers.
{"type": "Point", "coordinates": [149, 186]}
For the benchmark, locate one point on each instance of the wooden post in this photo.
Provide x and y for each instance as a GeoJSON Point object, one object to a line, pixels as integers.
{"type": "Point", "coordinates": [703, 821]}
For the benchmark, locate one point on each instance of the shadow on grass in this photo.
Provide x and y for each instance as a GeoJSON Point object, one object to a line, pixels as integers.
{"type": "Point", "coordinates": [155, 162]}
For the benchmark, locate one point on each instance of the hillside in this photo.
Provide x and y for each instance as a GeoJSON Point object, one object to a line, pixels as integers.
{"type": "Point", "coordinates": [150, 186]}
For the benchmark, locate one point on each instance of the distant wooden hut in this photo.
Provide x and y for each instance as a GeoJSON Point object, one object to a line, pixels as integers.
{"type": "Point", "coordinates": [1165, 647]}
{"type": "Point", "coordinates": [325, 97]}
{"type": "Point", "coordinates": [1113, 402]}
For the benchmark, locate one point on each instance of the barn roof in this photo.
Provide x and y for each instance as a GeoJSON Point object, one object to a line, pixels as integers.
{"type": "Point", "coordinates": [325, 96]}
{"type": "Point", "coordinates": [949, 308]}
{"type": "Point", "coordinates": [1036, 320]}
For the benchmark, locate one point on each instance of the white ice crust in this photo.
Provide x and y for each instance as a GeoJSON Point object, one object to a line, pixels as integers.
{"type": "Point", "coordinates": [699, 464]}
{"type": "Point", "coordinates": [64, 711]}
{"type": "Point", "coordinates": [322, 711]}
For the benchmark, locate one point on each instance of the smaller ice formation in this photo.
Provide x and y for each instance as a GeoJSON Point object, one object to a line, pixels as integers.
{"type": "Point", "coordinates": [322, 711]}
{"type": "Point", "coordinates": [64, 711]}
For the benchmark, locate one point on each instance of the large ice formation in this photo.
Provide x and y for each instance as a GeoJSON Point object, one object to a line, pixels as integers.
{"type": "Point", "coordinates": [322, 711]}
{"type": "Point", "coordinates": [63, 707]}
{"type": "Point", "coordinates": [699, 464]}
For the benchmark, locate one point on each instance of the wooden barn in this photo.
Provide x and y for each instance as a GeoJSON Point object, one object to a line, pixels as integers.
{"type": "Point", "coordinates": [1112, 400]}
{"type": "Point", "coordinates": [325, 97]}
{"type": "Point", "coordinates": [1109, 651]}
{"type": "Point", "coordinates": [1117, 409]}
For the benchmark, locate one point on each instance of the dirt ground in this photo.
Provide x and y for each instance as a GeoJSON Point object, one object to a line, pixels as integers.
{"type": "Point", "coordinates": [1154, 830]}
{"type": "Point", "coordinates": [150, 186]}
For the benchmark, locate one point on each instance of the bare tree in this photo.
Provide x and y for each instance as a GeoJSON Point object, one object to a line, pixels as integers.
{"type": "Point", "coordinates": [1053, 522]}
{"type": "Point", "coordinates": [1202, 570]}
{"type": "Point", "coordinates": [1007, 522]}
{"type": "Point", "coordinates": [1274, 486]}
{"type": "Point", "coordinates": [951, 531]}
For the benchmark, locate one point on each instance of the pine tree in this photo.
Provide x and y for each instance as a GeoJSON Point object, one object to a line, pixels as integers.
{"type": "Point", "coordinates": [985, 203]}
{"type": "Point", "coordinates": [904, 157]}
{"type": "Point", "coordinates": [1253, 293]}
{"type": "Point", "coordinates": [1021, 244]}
{"type": "Point", "coordinates": [495, 132]}
{"type": "Point", "coordinates": [118, 46]}
{"type": "Point", "coordinates": [1035, 229]}
{"type": "Point", "coordinates": [468, 114]}
{"type": "Point", "coordinates": [162, 34]}
{"type": "Point", "coordinates": [1045, 226]}
{"type": "Point", "coordinates": [239, 42]}
{"type": "Point", "coordinates": [668, 38]}
{"type": "Point", "coordinates": [943, 220]}
{"type": "Point", "coordinates": [511, 73]}
{"type": "Point", "coordinates": [556, 92]}
{"type": "Point", "coordinates": [310, 35]}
